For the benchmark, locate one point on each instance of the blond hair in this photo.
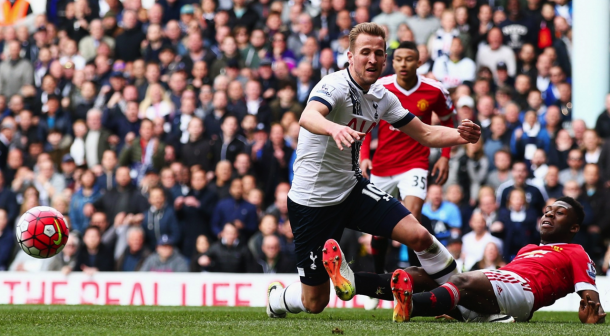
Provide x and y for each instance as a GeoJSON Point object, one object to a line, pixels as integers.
{"type": "Point", "coordinates": [368, 28]}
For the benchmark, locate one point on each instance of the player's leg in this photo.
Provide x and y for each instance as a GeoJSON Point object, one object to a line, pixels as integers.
{"type": "Point", "coordinates": [379, 285]}
{"type": "Point", "coordinates": [471, 290]}
{"type": "Point", "coordinates": [379, 244]}
{"type": "Point", "coordinates": [434, 257]}
{"type": "Point", "coordinates": [413, 187]}
{"type": "Point", "coordinates": [311, 228]}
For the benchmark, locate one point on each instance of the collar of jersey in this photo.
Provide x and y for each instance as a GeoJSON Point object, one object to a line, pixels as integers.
{"type": "Point", "coordinates": [405, 92]}
{"type": "Point", "coordinates": [353, 81]}
{"type": "Point", "coordinates": [553, 244]}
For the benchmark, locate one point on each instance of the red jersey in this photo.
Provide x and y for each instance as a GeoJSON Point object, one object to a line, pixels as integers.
{"type": "Point", "coordinates": [553, 271]}
{"type": "Point", "coordinates": [397, 152]}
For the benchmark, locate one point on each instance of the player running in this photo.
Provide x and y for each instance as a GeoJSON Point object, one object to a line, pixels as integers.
{"type": "Point", "coordinates": [329, 193]}
{"type": "Point", "coordinates": [400, 164]}
{"type": "Point", "coordinates": [537, 277]}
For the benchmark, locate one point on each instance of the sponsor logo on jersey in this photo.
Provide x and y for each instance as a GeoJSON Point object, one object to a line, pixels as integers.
{"type": "Point", "coordinates": [326, 89]}
{"type": "Point", "coordinates": [423, 105]}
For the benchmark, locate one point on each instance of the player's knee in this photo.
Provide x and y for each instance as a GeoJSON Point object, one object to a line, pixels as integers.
{"type": "Point", "coordinates": [421, 239]}
{"type": "Point", "coordinates": [316, 305]}
{"type": "Point", "coordinates": [461, 281]}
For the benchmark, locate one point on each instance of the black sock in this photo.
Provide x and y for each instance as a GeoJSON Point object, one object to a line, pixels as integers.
{"type": "Point", "coordinates": [374, 285]}
{"type": "Point", "coordinates": [379, 245]}
{"type": "Point", "coordinates": [437, 302]}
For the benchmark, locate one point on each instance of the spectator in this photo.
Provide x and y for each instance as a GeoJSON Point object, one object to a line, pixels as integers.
{"type": "Point", "coordinates": [48, 182]}
{"type": "Point", "coordinates": [88, 45]}
{"type": "Point", "coordinates": [477, 166]}
{"type": "Point", "coordinates": [214, 118]}
{"type": "Point", "coordinates": [230, 143]}
{"type": "Point", "coordinates": [538, 166]}
{"type": "Point", "coordinates": [235, 209]}
{"type": "Point", "coordinates": [88, 193]}
{"type": "Point", "coordinates": [268, 227]}
{"type": "Point", "coordinates": [272, 260]}
{"type": "Point", "coordinates": [498, 139]}
{"type": "Point", "coordinates": [445, 216]}
{"type": "Point", "coordinates": [228, 254]}
{"type": "Point", "coordinates": [597, 196]}
{"type": "Point", "coordinates": [160, 220]}
{"type": "Point", "coordinates": [492, 258]}
{"type": "Point", "coordinates": [527, 138]}
{"type": "Point", "coordinates": [423, 24]}
{"type": "Point", "coordinates": [520, 222]}
{"type": "Point", "coordinates": [7, 241]}
{"type": "Point", "coordinates": [195, 211]}
{"type": "Point", "coordinates": [94, 256]}
{"type": "Point", "coordinates": [279, 208]}
{"type": "Point", "coordinates": [592, 146]}
{"type": "Point", "coordinates": [454, 69]}
{"type": "Point", "coordinates": [575, 168]}
{"type": "Point", "coordinates": [489, 209]}
{"type": "Point", "coordinates": [390, 17]}
{"type": "Point", "coordinates": [493, 53]}
{"type": "Point", "coordinates": [66, 259]}
{"type": "Point", "coordinates": [15, 72]}
{"type": "Point", "coordinates": [222, 180]}
{"type": "Point", "coordinates": [165, 259]}
{"type": "Point", "coordinates": [106, 172]}
{"type": "Point", "coordinates": [201, 255]}
{"type": "Point", "coordinates": [602, 125]}
{"type": "Point", "coordinates": [145, 151]}
{"type": "Point", "coordinates": [286, 101]}
{"type": "Point", "coordinates": [553, 188]}
{"type": "Point", "coordinates": [129, 42]}
{"type": "Point", "coordinates": [133, 256]}
{"type": "Point", "coordinates": [98, 139]}
{"type": "Point", "coordinates": [475, 242]}
{"type": "Point", "coordinates": [122, 200]}
{"type": "Point", "coordinates": [197, 150]}
{"type": "Point", "coordinates": [440, 42]}
{"type": "Point", "coordinates": [535, 196]}
{"type": "Point", "coordinates": [8, 200]}
{"type": "Point", "coordinates": [55, 119]}
{"type": "Point", "coordinates": [558, 154]}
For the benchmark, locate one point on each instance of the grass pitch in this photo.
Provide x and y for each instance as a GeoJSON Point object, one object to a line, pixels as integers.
{"type": "Point", "coordinates": [115, 320]}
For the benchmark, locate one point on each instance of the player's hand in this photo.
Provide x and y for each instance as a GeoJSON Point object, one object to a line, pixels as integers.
{"type": "Point", "coordinates": [589, 311]}
{"type": "Point", "coordinates": [365, 166]}
{"type": "Point", "coordinates": [469, 131]}
{"type": "Point", "coordinates": [441, 170]}
{"type": "Point", "coordinates": [345, 136]}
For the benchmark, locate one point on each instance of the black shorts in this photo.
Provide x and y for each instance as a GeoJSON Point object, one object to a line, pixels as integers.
{"type": "Point", "coordinates": [366, 209]}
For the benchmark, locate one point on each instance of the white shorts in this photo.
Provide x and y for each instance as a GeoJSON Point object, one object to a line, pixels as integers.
{"type": "Point", "coordinates": [514, 294]}
{"type": "Point", "coordinates": [411, 183]}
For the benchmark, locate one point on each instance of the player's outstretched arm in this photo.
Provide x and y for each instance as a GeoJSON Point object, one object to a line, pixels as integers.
{"type": "Point", "coordinates": [441, 136]}
{"type": "Point", "coordinates": [313, 119]}
{"type": "Point", "coordinates": [590, 310]}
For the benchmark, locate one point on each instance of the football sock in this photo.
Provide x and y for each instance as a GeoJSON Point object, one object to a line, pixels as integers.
{"type": "Point", "coordinates": [374, 285]}
{"type": "Point", "coordinates": [437, 262]}
{"type": "Point", "coordinates": [287, 300]}
{"type": "Point", "coordinates": [379, 247]}
{"type": "Point", "coordinates": [437, 302]}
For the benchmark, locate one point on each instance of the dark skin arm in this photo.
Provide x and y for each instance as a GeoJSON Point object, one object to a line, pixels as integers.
{"type": "Point", "coordinates": [590, 310]}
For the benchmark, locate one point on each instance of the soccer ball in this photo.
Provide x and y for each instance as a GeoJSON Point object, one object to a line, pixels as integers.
{"type": "Point", "coordinates": [42, 232]}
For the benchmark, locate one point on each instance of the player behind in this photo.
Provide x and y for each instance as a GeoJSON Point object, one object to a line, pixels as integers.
{"type": "Point", "coordinates": [400, 162]}
{"type": "Point", "coordinates": [329, 193]}
{"type": "Point", "coordinates": [536, 278]}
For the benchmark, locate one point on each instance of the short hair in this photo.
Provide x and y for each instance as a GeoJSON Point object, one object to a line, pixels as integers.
{"type": "Point", "coordinates": [408, 45]}
{"type": "Point", "coordinates": [579, 211]}
{"type": "Point", "coordinates": [368, 28]}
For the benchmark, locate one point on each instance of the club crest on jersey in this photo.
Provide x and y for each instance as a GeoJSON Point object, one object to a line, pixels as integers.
{"type": "Point", "coordinates": [326, 89]}
{"type": "Point", "coordinates": [423, 105]}
{"type": "Point", "coordinates": [591, 270]}
{"type": "Point", "coordinates": [313, 260]}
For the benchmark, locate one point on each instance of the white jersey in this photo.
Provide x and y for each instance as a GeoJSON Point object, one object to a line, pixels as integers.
{"type": "Point", "coordinates": [323, 174]}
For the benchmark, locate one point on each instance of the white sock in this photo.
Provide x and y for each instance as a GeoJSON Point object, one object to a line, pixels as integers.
{"type": "Point", "coordinates": [287, 300]}
{"type": "Point", "coordinates": [437, 262]}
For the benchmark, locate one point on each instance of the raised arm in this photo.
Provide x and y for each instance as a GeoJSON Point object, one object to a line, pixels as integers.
{"type": "Point", "coordinates": [441, 136]}
{"type": "Point", "coordinates": [314, 120]}
{"type": "Point", "coordinates": [590, 310]}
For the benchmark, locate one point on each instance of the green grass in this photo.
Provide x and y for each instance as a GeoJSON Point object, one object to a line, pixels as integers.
{"type": "Point", "coordinates": [115, 320]}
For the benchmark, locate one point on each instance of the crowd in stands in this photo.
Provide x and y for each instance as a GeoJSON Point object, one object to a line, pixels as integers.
{"type": "Point", "coordinates": [165, 131]}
